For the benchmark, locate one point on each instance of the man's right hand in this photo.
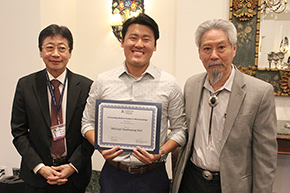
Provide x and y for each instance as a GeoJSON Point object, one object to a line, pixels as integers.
{"type": "Point", "coordinates": [111, 153]}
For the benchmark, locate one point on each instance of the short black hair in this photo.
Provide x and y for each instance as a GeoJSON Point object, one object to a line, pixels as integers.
{"type": "Point", "coordinates": [142, 19]}
{"type": "Point", "coordinates": [53, 30]}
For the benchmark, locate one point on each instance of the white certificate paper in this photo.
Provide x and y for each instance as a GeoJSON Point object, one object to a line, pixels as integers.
{"type": "Point", "coordinates": [127, 124]}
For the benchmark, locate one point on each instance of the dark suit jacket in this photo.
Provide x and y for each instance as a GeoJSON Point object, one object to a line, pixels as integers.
{"type": "Point", "coordinates": [249, 150]}
{"type": "Point", "coordinates": [30, 124]}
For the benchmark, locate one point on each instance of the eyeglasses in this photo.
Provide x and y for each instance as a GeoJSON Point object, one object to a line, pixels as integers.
{"type": "Point", "coordinates": [60, 48]}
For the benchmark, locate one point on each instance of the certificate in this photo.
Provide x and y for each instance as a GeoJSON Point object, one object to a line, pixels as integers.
{"type": "Point", "coordinates": [127, 124]}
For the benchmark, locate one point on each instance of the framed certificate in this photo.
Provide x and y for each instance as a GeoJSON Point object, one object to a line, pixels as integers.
{"type": "Point", "coordinates": [127, 124]}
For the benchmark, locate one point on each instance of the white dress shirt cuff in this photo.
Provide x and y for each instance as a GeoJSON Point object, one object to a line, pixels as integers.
{"type": "Point", "coordinates": [35, 170]}
{"type": "Point", "coordinates": [74, 167]}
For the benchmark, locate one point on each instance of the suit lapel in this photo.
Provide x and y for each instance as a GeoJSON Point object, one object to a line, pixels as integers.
{"type": "Point", "coordinates": [235, 102]}
{"type": "Point", "coordinates": [194, 96]}
{"type": "Point", "coordinates": [40, 89]}
{"type": "Point", "coordinates": [73, 93]}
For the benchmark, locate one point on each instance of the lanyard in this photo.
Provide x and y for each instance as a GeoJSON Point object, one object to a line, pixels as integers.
{"type": "Point", "coordinates": [52, 93]}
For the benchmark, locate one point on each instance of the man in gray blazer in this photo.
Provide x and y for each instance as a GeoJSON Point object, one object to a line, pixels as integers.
{"type": "Point", "coordinates": [231, 122]}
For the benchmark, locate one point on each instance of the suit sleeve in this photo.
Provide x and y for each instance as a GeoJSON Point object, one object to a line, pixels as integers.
{"type": "Point", "coordinates": [264, 143]}
{"type": "Point", "coordinates": [20, 128]}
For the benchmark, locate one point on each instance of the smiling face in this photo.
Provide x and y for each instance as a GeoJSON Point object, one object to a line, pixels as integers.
{"type": "Point", "coordinates": [57, 59]}
{"type": "Point", "coordinates": [139, 45]}
{"type": "Point", "coordinates": [216, 54]}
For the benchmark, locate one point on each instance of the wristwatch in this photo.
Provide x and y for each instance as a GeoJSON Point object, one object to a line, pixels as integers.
{"type": "Point", "coordinates": [163, 155]}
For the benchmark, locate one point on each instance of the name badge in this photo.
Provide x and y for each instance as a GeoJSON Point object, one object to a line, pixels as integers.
{"type": "Point", "coordinates": [58, 131]}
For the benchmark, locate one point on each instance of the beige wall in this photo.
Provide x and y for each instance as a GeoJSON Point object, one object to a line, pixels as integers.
{"type": "Point", "coordinates": [97, 50]}
{"type": "Point", "coordinates": [19, 28]}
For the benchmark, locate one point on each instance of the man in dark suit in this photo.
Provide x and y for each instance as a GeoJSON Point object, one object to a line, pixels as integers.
{"type": "Point", "coordinates": [35, 101]}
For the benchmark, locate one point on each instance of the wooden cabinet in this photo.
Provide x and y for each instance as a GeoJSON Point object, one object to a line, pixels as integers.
{"type": "Point", "coordinates": [283, 137]}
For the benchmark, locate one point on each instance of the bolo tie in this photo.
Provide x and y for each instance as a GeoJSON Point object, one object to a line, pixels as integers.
{"type": "Point", "coordinates": [212, 101]}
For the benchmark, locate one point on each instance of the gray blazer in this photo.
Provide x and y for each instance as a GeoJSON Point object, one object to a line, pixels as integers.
{"type": "Point", "coordinates": [249, 148]}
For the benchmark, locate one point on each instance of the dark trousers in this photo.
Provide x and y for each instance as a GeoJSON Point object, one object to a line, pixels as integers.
{"type": "Point", "coordinates": [192, 182]}
{"type": "Point", "coordinates": [114, 180]}
{"type": "Point", "coordinates": [68, 187]}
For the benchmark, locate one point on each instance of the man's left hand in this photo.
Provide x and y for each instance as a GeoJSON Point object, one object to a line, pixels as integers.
{"type": "Point", "coordinates": [66, 170]}
{"type": "Point", "coordinates": [144, 156]}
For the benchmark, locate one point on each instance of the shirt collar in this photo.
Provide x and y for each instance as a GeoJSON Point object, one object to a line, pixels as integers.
{"type": "Point", "coordinates": [151, 70]}
{"type": "Point", "coordinates": [60, 78]}
{"type": "Point", "coordinates": [228, 84]}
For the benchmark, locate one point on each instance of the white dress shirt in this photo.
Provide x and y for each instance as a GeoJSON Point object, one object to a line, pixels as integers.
{"type": "Point", "coordinates": [154, 85]}
{"type": "Point", "coordinates": [206, 152]}
{"type": "Point", "coordinates": [61, 79]}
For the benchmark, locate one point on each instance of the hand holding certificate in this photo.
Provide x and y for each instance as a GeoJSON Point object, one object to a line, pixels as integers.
{"type": "Point", "coordinates": [127, 124]}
